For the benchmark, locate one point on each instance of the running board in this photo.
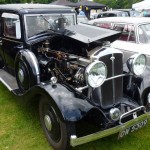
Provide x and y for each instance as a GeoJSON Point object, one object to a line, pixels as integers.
{"type": "Point", "coordinates": [8, 80]}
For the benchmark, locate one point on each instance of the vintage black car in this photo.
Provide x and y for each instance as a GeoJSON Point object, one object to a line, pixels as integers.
{"type": "Point", "coordinates": [84, 92]}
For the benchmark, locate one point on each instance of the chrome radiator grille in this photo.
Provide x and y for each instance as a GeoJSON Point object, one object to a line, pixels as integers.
{"type": "Point", "coordinates": [110, 91]}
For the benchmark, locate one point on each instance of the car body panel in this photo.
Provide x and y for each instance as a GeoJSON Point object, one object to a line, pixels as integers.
{"type": "Point", "coordinates": [56, 66]}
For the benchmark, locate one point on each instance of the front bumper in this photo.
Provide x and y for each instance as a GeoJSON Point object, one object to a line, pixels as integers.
{"type": "Point", "coordinates": [74, 141]}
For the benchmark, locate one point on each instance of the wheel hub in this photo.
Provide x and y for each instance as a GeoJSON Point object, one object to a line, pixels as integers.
{"type": "Point", "coordinates": [48, 122]}
{"type": "Point", "coordinates": [21, 75]}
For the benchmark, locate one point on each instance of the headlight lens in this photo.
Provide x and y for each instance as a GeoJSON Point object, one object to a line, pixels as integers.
{"type": "Point", "coordinates": [139, 64]}
{"type": "Point", "coordinates": [96, 74]}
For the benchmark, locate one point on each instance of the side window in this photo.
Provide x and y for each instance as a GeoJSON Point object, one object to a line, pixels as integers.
{"type": "Point", "coordinates": [111, 15]}
{"type": "Point", "coordinates": [118, 27]}
{"type": "Point", "coordinates": [128, 33]}
{"type": "Point", "coordinates": [103, 25]}
{"type": "Point", "coordinates": [11, 25]}
{"type": "Point", "coordinates": [102, 15]}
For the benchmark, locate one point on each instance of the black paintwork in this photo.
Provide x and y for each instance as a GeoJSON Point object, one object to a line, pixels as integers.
{"type": "Point", "coordinates": [66, 55]}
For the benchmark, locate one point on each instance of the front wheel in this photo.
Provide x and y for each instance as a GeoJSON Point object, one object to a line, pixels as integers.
{"type": "Point", "coordinates": [55, 130]}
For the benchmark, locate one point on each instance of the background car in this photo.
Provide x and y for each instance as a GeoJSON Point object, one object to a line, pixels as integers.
{"type": "Point", "coordinates": [135, 35]}
{"type": "Point", "coordinates": [82, 19]}
{"type": "Point", "coordinates": [131, 12]}
{"type": "Point", "coordinates": [94, 15]}
{"type": "Point", "coordinates": [112, 13]}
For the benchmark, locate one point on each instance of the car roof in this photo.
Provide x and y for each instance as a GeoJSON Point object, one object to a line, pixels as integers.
{"type": "Point", "coordinates": [18, 7]}
{"type": "Point", "coordinates": [133, 20]}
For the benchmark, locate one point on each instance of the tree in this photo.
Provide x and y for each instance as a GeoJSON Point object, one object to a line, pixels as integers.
{"type": "Point", "coordinates": [110, 3]}
{"type": "Point", "coordinates": [116, 4]}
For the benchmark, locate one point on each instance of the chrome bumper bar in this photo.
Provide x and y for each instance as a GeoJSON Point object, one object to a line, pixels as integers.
{"type": "Point", "coordinates": [74, 141]}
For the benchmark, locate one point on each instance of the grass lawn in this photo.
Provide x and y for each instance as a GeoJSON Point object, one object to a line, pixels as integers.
{"type": "Point", "coordinates": [20, 129]}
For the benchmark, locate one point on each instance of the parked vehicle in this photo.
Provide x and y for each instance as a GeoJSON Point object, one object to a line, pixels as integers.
{"type": "Point", "coordinates": [135, 35]}
{"type": "Point", "coordinates": [82, 19]}
{"type": "Point", "coordinates": [113, 13]}
{"type": "Point", "coordinates": [69, 68]}
{"type": "Point", "coordinates": [93, 15]}
{"type": "Point", "coordinates": [131, 12]}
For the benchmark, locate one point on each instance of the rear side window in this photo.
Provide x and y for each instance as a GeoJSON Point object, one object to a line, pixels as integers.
{"type": "Point", "coordinates": [102, 15]}
{"type": "Point", "coordinates": [128, 32]}
{"type": "Point", "coordinates": [118, 27]}
{"type": "Point", "coordinates": [123, 14]}
{"type": "Point", "coordinates": [103, 25]}
{"type": "Point", "coordinates": [11, 25]}
{"type": "Point", "coordinates": [111, 15]}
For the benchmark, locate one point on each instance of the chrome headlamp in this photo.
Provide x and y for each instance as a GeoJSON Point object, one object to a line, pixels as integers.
{"type": "Point", "coordinates": [114, 114]}
{"type": "Point", "coordinates": [96, 74]}
{"type": "Point", "coordinates": [137, 64]}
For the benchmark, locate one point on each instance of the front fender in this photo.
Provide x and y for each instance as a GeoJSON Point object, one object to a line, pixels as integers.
{"type": "Point", "coordinates": [32, 64]}
{"type": "Point", "coordinates": [140, 86]}
{"type": "Point", "coordinates": [66, 103]}
{"type": "Point", "coordinates": [145, 85]}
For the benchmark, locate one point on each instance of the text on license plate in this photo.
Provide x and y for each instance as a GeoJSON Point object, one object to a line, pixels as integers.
{"type": "Point", "coordinates": [132, 128]}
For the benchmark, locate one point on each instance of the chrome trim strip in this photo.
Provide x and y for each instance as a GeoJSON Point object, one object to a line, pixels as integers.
{"type": "Point", "coordinates": [80, 89]}
{"type": "Point", "coordinates": [112, 58]}
{"type": "Point", "coordinates": [95, 136]}
{"type": "Point", "coordinates": [9, 88]}
{"type": "Point", "coordinates": [118, 76]}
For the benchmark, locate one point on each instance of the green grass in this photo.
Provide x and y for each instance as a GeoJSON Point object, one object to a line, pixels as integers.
{"type": "Point", "coordinates": [20, 129]}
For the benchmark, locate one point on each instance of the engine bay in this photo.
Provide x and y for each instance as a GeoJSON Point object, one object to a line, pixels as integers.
{"type": "Point", "coordinates": [65, 58]}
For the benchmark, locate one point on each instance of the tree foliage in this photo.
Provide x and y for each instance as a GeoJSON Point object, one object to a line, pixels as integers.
{"type": "Point", "coordinates": [24, 1]}
{"type": "Point", "coordinates": [115, 4]}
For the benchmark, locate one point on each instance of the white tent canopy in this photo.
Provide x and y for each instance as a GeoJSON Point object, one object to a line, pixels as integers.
{"type": "Point", "coordinates": [141, 5]}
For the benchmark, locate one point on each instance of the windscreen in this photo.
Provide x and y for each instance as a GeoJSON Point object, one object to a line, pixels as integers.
{"type": "Point", "coordinates": [37, 23]}
{"type": "Point", "coordinates": [144, 33]}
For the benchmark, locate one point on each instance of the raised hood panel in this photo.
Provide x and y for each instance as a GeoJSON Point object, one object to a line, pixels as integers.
{"type": "Point", "coordinates": [87, 33]}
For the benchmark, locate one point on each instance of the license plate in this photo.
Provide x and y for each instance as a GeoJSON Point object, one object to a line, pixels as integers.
{"type": "Point", "coordinates": [132, 128]}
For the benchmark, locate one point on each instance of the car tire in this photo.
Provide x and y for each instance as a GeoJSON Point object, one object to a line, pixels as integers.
{"type": "Point", "coordinates": [22, 75]}
{"type": "Point", "coordinates": [55, 130]}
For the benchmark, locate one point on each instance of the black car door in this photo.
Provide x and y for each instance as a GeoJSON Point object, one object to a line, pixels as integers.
{"type": "Point", "coordinates": [11, 37]}
{"type": "Point", "coordinates": [1, 51]}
